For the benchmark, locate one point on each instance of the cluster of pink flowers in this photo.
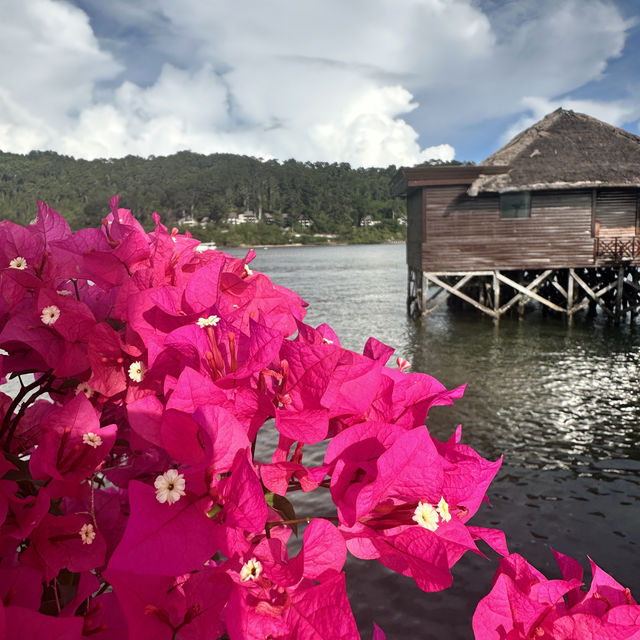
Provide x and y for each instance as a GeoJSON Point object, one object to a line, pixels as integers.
{"type": "Point", "coordinates": [524, 605]}
{"type": "Point", "coordinates": [131, 501]}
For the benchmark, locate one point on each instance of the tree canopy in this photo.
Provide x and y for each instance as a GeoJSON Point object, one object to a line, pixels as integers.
{"type": "Point", "coordinates": [204, 191]}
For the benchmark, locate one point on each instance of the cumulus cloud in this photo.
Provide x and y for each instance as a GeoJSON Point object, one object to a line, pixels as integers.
{"type": "Point", "coordinates": [370, 82]}
{"type": "Point", "coordinates": [51, 61]}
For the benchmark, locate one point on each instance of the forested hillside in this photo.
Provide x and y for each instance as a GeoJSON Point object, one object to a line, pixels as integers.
{"type": "Point", "coordinates": [205, 191]}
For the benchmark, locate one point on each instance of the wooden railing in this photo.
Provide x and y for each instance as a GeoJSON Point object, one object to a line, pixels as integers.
{"type": "Point", "coordinates": [616, 250]}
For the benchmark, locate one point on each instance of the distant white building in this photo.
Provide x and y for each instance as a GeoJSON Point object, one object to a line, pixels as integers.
{"type": "Point", "coordinates": [187, 221]}
{"type": "Point", "coordinates": [245, 217]}
{"type": "Point", "coordinates": [190, 221]}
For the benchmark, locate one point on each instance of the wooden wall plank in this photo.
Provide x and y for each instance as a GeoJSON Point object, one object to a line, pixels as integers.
{"type": "Point", "coordinates": [466, 233]}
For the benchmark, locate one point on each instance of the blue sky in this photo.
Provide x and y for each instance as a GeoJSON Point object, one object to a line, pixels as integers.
{"type": "Point", "coordinates": [370, 82]}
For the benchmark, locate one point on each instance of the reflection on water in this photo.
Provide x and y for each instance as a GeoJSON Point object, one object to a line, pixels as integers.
{"type": "Point", "coordinates": [561, 405]}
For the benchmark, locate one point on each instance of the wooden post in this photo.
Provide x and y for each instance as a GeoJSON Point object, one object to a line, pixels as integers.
{"type": "Point", "coordinates": [424, 291]}
{"type": "Point", "coordinates": [409, 292]}
{"type": "Point", "coordinates": [620, 284]}
{"type": "Point", "coordinates": [635, 298]}
{"type": "Point", "coordinates": [496, 296]}
{"type": "Point", "coordinates": [569, 297]}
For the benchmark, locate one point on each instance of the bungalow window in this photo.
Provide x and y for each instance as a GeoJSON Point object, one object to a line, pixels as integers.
{"type": "Point", "coordinates": [515, 205]}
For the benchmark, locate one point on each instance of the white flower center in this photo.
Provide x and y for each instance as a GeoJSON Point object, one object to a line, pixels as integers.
{"type": "Point", "coordinates": [87, 534]}
{"type": "Point", "coordinates": [50, 314]}
{"type": "Point", "coordinates": [247, 270]}
{"type": "Point", "coordinates": [251, 570]}
{"type": "Point", "coordinates": [211, 321]}
{"type": "Point", "coordinates": [137, 371]}
{"type": "Point", "coordinates": [169, 486]}
{"type": "Point", "coordinates": [92, 439]}
{"type": "Point", "coordinates": [18, 263]}
{"type": "Point", "coordinates": [426, 516]}
{"type": "Point", "coordinates": [430, 517]}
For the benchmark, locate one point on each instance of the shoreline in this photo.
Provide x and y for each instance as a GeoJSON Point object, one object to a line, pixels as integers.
{"type": "Point", "coordinates": [300, 244]}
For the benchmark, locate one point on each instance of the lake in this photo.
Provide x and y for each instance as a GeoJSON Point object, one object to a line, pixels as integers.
{"type": "Point", "coordinates": [559, 403]}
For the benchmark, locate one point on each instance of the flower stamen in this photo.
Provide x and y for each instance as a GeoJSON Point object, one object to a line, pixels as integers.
{"type": "Point", "coordinates": [211, 321]}
{"type": "Point", "coordinates": [251, 570]}
{"type": "Point", "coordinates": [92, 439]}
{"type": "Point", "coordinates": [426, 516]}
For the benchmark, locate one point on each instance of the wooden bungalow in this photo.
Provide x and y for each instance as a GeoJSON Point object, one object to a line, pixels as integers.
{"type": "Point", "coordinates": [552, 217]}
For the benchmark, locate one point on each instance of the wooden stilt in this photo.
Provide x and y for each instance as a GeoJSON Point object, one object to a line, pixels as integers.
{"type": "Point", "coordinates": [410, 285]}
{"type": "Point", "coordinates": [463, 296]}
{"type": "Point", "coordinates": [424, 292]}
{"type": "Point", "coordinates": [496, 296]}
{"type": "Point", "coordinates": [570, 309]}
{"type": "Point", "coordinates": [615, 290]}
{"type": "Point", "coordinates": [620, 284]}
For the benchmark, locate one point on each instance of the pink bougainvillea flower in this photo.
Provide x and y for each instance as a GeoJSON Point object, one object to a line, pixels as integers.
{"type": "Point", "coordinates": [162, 364]}
{"type": "Point", "coordinates": [38, 346]}
{"type": "Point", "coordinates": [523, 604]}
{"type": "Point", "coordinates": [66, 452]}
{"type": "Point", "coordinates": [69, 317]}
{"type": "Point", "coordinates": [376, 461]}
{"type": "Point", "coordinates": [273, 594]}
{"type": "Point", "coordinates": [468, 474]}
{"type": "Point", "coordinates": [19, 242]}
{"type": "Point", "coordinates": [60, 542]}
{"type": "Point", "coordinates": [399, 500]}
{"type": "Point", "coordinates": [308, 611]}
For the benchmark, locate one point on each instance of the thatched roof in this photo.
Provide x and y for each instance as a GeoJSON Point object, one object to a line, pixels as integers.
{"type": "Point", "coordinates": [565, 150]}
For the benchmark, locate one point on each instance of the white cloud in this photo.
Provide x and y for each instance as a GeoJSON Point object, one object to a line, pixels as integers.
{"type": "Point", "coordinates": [51, 60]}
{"type": "Point", "coordinates": [335, 81]}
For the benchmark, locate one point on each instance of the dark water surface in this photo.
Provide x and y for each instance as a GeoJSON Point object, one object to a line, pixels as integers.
{"type": "Point", "coordinates": [561, 404]}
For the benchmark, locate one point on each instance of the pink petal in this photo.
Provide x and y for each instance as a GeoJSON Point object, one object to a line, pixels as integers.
{"type": "Point", "coordinates": [164, 539]}
{"type": "Point", "coordinates": [25, 624]}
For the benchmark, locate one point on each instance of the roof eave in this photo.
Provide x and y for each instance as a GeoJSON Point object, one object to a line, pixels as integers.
{"type": "Point", "coordinates": [407, 180]}
{"type": "Point", "coordinates": [551, 186]}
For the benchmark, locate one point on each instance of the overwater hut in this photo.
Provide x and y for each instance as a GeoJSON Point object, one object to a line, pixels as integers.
{"type": "Point", "coordinates": [552, 217]}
